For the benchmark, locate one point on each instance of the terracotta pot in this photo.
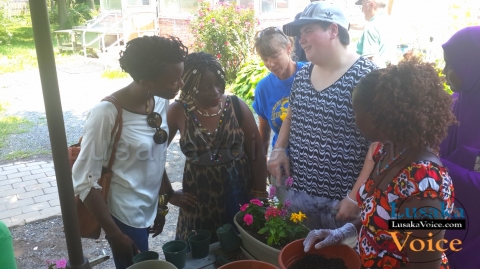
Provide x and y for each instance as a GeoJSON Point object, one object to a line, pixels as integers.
{"type": "Point", "coordinates": [294, 252]}
{"type": "Point", "coordinates": [248, 264]}
{"type": "Point", "coordinates": [255, 248]}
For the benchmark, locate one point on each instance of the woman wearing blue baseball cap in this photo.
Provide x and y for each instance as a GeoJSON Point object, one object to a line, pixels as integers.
{"type": "Point", "coordinates": [327, 152]}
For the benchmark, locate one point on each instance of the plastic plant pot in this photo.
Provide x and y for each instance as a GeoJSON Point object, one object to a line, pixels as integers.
{"type": "Point", "coordinates": [175, 252]}
{"type": "Point", "coordinates": [153, 265]}
{"type": "Point", "coordinates": [145, 256]}
{"type": "Point", "coordinates": [199, 241]}
{"type": "Point", "coordinates": [250, 264]}
{"type": "Point", "coordinates": [229, 240]}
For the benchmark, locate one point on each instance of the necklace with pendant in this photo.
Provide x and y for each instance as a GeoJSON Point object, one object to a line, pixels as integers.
{"type": "Point", "coordinates": [379, 164]}
{"type": "Point", "coordinates": [206, 114]}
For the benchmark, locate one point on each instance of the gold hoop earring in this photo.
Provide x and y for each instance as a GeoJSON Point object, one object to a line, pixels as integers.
{"type": "Point", "coordinates": [147, 111]}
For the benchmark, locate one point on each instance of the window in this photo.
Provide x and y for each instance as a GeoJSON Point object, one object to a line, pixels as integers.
{"type": "Point", "coordinates": [138, 2]}
{"type": "Point", "coordinates": [178, 6]}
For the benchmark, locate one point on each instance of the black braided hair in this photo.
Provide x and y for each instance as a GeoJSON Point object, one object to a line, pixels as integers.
{"type": "Point", "coordinates": [196, 64]}
{"type": "Point", "coordinates": [147, 57]}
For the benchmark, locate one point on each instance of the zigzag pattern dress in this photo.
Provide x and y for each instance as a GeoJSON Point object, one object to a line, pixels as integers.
{"type": "Point", "coordinates": [326, 149]}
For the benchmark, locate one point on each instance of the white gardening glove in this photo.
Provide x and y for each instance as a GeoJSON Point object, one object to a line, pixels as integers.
{"type": "Point", "coordinates": [330, 237]}
{"type": "Point", "coordinates": [278, 159]}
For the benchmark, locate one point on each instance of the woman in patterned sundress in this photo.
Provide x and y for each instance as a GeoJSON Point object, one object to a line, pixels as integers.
{"type": "Point", "coordinates": [405, 108]}
{"type": "Point", "coordinates": [225, 164]}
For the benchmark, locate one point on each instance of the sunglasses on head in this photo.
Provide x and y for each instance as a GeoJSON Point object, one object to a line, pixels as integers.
{"type": "Point", "coordinates": [154, 120]}
{"type": "Point", "coordinates": [270, 31]}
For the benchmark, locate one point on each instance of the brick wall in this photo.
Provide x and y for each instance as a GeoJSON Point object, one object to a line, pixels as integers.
{"type": "Point", "coordinates": [179, 27]}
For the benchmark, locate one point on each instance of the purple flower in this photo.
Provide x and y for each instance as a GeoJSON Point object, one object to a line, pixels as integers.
{"type": "Point", "coordinates": [289, 182]}
{"type": "Point", "coordinates": [287, 204]}
{"type": "Point", "coordinates": [273, 191]}
{"type": "Point", "coordinates": [62, 263]}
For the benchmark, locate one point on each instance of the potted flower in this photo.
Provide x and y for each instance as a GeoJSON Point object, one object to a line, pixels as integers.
{"type": "Point", "coordinates": [267, 227]}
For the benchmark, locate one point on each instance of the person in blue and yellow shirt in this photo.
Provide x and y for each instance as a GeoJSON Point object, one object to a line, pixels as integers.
{"type": "Point", "coordinates": [273, 91]}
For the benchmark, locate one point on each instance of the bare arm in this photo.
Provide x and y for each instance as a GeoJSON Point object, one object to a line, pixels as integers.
{"type": "Point", "coordinates": [174, 119]}
{"type": "Point", "coordinates": [254, 149]}
{"type": "Point", "coordinates": [265, 132]}
{"type": "Point", "coordinates": [365, 173]}
{"type": "Point", "coordinates": [122, 245]}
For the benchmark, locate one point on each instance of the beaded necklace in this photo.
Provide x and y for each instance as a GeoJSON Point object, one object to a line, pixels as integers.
{"type": "Point", "coordinates": [213, 155]}
{"type": "Point", "coordinates": [379, 164]}
{"type": "Point", "coordinates": [210, 115]}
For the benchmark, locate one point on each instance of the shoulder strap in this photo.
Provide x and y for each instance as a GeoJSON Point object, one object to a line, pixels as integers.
{"type": "Point", "coordinates": [238, 111]}
{"type": "Point", "coordinates": [118, 127]}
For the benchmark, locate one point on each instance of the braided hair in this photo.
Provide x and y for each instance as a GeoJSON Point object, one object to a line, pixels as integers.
{"type": "Point", "coordinates": [196, 64]}
{"type": "Point", "coordinates": [148, 57]}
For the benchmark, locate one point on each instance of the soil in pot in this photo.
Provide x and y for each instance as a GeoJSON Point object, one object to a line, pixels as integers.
{"type": "Point", "coordinates": [318, 262]}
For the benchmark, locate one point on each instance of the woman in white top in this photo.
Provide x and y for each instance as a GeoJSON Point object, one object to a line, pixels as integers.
{"type": "Point", "coordinates": [156, 65]}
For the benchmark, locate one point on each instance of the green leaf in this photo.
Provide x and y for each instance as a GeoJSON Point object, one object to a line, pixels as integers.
{"type": "Point", "coordinates": [263, 230]}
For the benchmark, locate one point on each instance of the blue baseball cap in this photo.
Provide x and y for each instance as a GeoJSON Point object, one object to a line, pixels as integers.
{"type": "Point", "coordinates": [315, 12]}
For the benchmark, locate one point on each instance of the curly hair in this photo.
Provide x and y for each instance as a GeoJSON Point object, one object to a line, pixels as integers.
{"type": "Point", "coordinates": [196, 64]}
{"type": "Point", "coordinates": [147, 57]}
{"type": "Point", "coordinates": [407, 104]}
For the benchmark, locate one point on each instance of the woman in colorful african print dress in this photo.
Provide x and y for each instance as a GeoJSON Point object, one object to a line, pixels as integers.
{"type": "Point", "coordinates": [225, 164]}
{"type": "Point", "coordinates": [404, 108]}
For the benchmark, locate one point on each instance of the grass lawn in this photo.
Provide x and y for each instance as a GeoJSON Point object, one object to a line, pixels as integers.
{"type": "Point", "coordinates": [20, 53]}
{"type": "Point", "coordinates": [11, 125]}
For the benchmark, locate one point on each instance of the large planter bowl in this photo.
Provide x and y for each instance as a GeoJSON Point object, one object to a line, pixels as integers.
{"type": "Point", "coordinates": [246, 264]}
{"type": "Point", "coordinates": [295, 251]}
{"type": "Point", "coordinates": [153, 265]}
{"type": "Point", "coordinates": [255, 248]}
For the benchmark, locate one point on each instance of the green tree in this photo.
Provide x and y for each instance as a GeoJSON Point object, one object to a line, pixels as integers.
{"type": "Point", "coordinates": [62, 13]}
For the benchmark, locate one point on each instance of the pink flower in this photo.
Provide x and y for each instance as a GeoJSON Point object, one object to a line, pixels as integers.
{"type": "Point", "coordinates": [218, 56]}
{"type": "Point", "coordinates": [248, 219]}
{"type": "Point", "coordinates": [62, 263]}
{"type": "Point", "coordinates": [256, 202]}
{"type": "Point", "coordinates": [201, 25]}
{"type": "Point", "coordinates": [247, 23]}
{"type": "Point", "coordinates": [244, 207]}
{"type": "Point", "coordinates": [226, 43]}
{"type": "Point", "coordinates": [213, 20]}
{"type": "Point", "coordinates": [289, 182]}
{"type": "Point", "coordinates": [273, 191]}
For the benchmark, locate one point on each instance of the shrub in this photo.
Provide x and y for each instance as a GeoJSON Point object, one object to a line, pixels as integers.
{"type": "Point", "coordinates": [78, 14]}
{"type": "Point", "coordinates": [247, 79]}
{"type": "Point", "coordinates": [224, 30]}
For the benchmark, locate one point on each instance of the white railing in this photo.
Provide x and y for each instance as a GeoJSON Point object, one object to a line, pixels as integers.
{"type": "Point", "coordinates": [108, 30]}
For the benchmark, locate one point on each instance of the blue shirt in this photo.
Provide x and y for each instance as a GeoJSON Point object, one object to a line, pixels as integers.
{"type": "Point", "coordinates": [271, 100]}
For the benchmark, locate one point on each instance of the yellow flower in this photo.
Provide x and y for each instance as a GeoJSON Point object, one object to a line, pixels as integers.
{"type": "Point", "coordinates": [297, 217]}
{"type": "Point", "coordinates": [293, 217]}
{"type": "Point", "coordinates": [301, 216]}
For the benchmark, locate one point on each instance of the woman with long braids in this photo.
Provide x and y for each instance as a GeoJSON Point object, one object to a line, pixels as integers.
{"type": "Point", "coordinates": [155, 65]}
{"type": "Point", "coordinates": [225, 164]}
